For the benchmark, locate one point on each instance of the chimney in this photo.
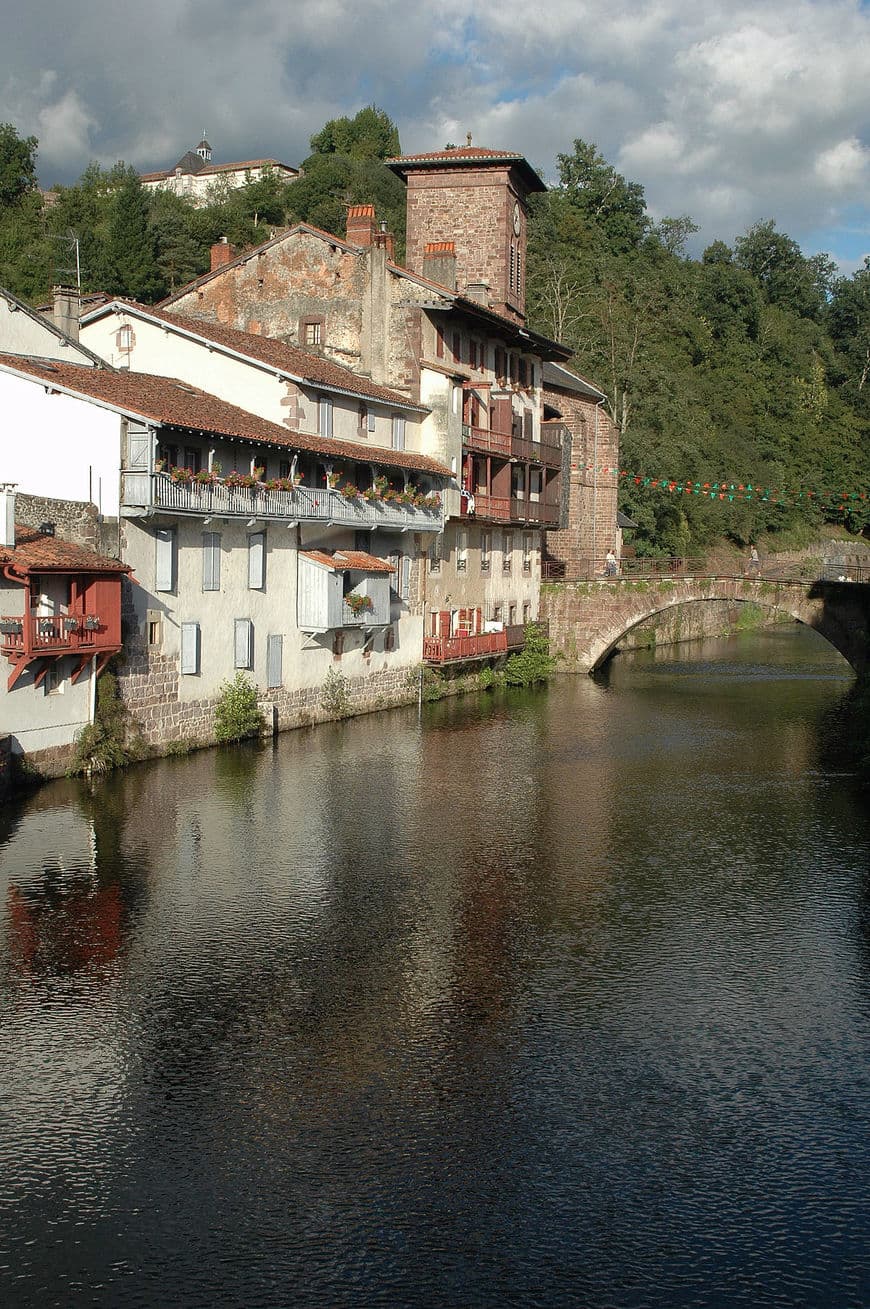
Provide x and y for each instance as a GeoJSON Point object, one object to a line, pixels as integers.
{"type": "Point", "coordinates": [222, 253]}
{"type": "Point", "coordinates": [360, 228]}
{"type": "Point", "coordinates": [66, 310]}
{"type": "Point", "coordinates": [386, 240]}
{"type": "Point", "coordinates": [478, 291]}
{"type": "Point", "coordinates": [7, 513]}
{"type": "Point", "coordinates": [439, 262]}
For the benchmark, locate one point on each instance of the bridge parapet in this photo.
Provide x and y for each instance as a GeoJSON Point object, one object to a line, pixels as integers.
{"type": "Point", "coordinates": [588, 619]}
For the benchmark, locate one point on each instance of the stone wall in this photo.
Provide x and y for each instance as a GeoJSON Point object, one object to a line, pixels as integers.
{"type": "Point", "coordinates": [696, 622]}
{"type": "Point", "coordinates": [592, 497]}
{"type": "Point", "coordinates": [74, 520]}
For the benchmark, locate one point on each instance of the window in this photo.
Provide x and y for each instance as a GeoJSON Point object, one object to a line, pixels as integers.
{"type": "Point", "coordinates": [284, 466]}
{"type": "Point", "coordinates": [457, 347]}
{"type": "Point", "coordinates": [192, 458]}
{"type": "Point", "coordinates": [165, 566]}
{"type": "Point", "coordinates": [190, 648]}
{"type": "Point", "coordinates": [500, 362]}
{"type": "Point", "coordinates": [434, 557]}
{"type": "Point", "coordinates": [257, 561]}
{"type": "Point", "coordinates": [154, 628]}
{"type": "Point", "coordinates": [400, 579]}
{"type": "Point", "coordinates": [54, 681]}
{"type": "Point", "coordinates": [519, 272]}
{"type": "Point", "coordinates": [125, 338]}
{"type": "Point", "coordinates": [211, 561]}
{"type": "Point", "coordinates": [528, 547]}
{"type": "Point", "coordinates": [512, 615]}
{"type": "Point", "coordinates": [527, 612]}
{"type": "Point", "coordinates": [485, 550]}
{"type": "Point", "coordinates": [439, 342]}
{"type": "Point", "coordinates": [398, 431]}
{"type": "Point", "coordinates": [507, 561]}
{"type": "Point", "coordinates": [324, 423]}
{"type": "Point", "coordinates": [274, 661]}
{"type": "Point", "coordinates": [311, 331]}
{"type": "Point", "coordinates": [472, 354]}
{"type": "Point", "coordinates": [513, 266]}
{"type": "Point", "coordinates": [337, 646]}
{"type": "Point", "coordinates": [462, 552]}
{"type": "Point", "coordinates": [243, 642]}
{"type": "Point", "coordinates": [528, 424]}
{"type": "Point", "coordinates": [363, 420]}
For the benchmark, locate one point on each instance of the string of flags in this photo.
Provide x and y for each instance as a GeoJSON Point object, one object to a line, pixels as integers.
{"type": "Point", "coordinates": [729, 491]}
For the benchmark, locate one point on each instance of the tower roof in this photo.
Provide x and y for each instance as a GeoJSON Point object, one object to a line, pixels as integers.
{"type": "Point", "coordinates": [466, 156]}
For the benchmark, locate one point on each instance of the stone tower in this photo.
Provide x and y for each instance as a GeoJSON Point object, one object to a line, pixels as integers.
{"type": "Point", "coordinates": [473, 200]}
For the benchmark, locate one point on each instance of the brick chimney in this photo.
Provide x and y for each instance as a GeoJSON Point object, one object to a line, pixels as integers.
{"type": "Point", "coordinates": [222, 252]}
{"type": "Point", "coordinates": [360, 224]}
{"type": "Point", "coordinates": [7, 513]}
{"type": "Point", "coordinates": [439, 262]}
{"type": "Point", "coordinates": [386, 240]}
{"type": "Point", "coordinates": [66, 310]}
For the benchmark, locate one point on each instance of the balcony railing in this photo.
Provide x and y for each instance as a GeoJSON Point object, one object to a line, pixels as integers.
{"type": "Point", "coordinates": [142, 491]}
{"type": "Point", "coordinates": [481, 438]}
{"type": "Point", "coordinates": [538, 452]}
{"type": "Point", "coordinates": [487, 506]}
{"type": "Point", "coordinates": [443, 649]}
{"type": "Point", "coordinates": [35, 634]}
{"type": "Point", "coordinates": [534, 511]}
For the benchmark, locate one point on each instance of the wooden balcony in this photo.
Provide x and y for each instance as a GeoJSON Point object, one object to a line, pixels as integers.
{"type": "Point", "coordinates": [24, 640]}
{"type": "Point", "coordinates": [497, 508]}
{"type": "Point", "coordinates": [536, 452]}
{"type": "Point", "coordinates": [146, 492]}
{"type": "Point", "coordinates": [485, 441]}
{"type": "Point", "coordinates": [534, 512]}
{"type": "Point", "coordinates": [451, 649]}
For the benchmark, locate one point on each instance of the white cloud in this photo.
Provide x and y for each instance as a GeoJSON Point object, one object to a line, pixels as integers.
{"type": "Point", "coordinates": [729, 112]}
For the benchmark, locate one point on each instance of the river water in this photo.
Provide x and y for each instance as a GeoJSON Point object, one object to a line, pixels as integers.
{"type": "Point", "coordinates": [551, 998]}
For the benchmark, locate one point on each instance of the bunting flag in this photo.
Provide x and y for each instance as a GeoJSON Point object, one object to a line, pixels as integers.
{"type": "Point", "coordinates": [725, 490]}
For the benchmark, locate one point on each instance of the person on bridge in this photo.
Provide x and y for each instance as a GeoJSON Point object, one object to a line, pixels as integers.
{"type": "Point", "coordinates": [611, 567]}
{"type": "Point", "coordinates": [754, 561]}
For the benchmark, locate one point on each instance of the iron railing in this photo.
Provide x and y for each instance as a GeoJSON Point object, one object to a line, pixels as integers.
{"type": "Point", "coordinates": [675, 567]}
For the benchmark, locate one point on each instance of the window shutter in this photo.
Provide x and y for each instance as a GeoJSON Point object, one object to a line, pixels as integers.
{"type": "Point", "coordinates": [325, 426]}
{"type": "Point", "coordinates": [211, 561]}
{"type": "Point", "coordinates": [190, 647]}
{"type": "Point", "coordinates": [165, 568]}
{"type": "Point", "coordinates": [527, 424]}
{"type": "Point", "coordinates": [139, 446]}
{"type": "Point", "coordinates": [256, 561]}
{"type": "Point", "coordinates": [406, 577]}
{"type": "Point", "coordinates": [398, 431]}
{"type": "Point", "coordinates": [244, 643]}
{"type": "Point", "coordinates": [393, 560]}
{"type": "Point", "coordinates": [274, 661]}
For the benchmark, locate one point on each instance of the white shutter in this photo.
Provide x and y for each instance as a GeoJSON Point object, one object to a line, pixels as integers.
{"type": "Point", "coordinates": [211, 561]}
{"type": "Point", "coordinates": [274, 661]}
{"type": "Point", "coordinates": [244, 643]}
{"type": "Point", "coordinates": [398, 431]}
{"type": "Point", "coordinates": [138, 447]}
{"type": "Point", "coordinates": [325, 424]}
{"type": "Point", "coordinates": [405, 561]}
{"type": "Point", "coordinates": [190, 647]}
{"type": "Point", "coordinates": [394, 560]}
{"type": "Point", "coordinates": [257, 561]}
{"type": "Point", "coordinates": [165, 568]}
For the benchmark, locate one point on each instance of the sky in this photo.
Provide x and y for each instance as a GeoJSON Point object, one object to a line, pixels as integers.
{"type": "Point", "coordinates": [730, 112]}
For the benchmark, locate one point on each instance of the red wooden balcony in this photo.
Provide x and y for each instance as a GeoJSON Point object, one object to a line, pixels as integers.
{"type": "Point", "coordinates": [482, 439]}
{"type": "Point", "coordinates": [487, 506]}
{"type": "Point", "coordinates": [534, 512]}
{"type": "Point", "coordinates": [446, 649]}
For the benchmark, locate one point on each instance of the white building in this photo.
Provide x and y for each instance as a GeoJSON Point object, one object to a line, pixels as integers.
{"type": "Point", "coordinates": [195, 177]}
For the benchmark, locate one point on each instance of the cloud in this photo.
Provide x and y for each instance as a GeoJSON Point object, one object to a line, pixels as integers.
{"type": "Point", "coordinates": [728, 112]}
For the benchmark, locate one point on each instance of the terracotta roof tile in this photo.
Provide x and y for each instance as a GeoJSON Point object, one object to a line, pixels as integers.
{"type": "Point", "coordinates": [171, 402]}
{"type": "Point", "coordinates": [466, 154]}
{"type": "Point", "coordinates": [278, 354]}
{"type": "Point", "coordinates": [34, 551]}
{"type": "Point", "coordinates": [343, 560]}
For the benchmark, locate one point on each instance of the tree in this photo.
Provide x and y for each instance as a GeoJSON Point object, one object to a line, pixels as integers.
{"type": "Point", "coordinates": [371, 134]}
{"type": "Point", "coordinates": [605, 198]}
{"type": "Point", "coordinates": [786, 277]}
{"type": "Point", "coordinates": [17, 164]}
{"type": "Point", "coordinates": [131, 247]}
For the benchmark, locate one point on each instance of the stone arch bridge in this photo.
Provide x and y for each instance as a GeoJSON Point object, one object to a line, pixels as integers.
{"type": "Point", "coordinates": [588, 619]}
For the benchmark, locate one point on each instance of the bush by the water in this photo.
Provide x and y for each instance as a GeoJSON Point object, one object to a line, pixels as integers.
{"type": "Point", "coordinates": [534, 663]}
{"type": "Point", "coordinates": [236, 714]}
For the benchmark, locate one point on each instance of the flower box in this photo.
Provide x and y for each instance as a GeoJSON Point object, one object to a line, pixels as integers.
{"type": "Point", "coordinates": [70, 624]}
{"type": "Point", "coordinates": [11, 626]}
{"type": "Point", "coordinates": [92, 623]}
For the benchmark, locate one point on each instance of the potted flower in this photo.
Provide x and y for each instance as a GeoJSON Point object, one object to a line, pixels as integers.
{"type": "Point", "coordinates": [204, 477]}
{"type": "Point", "coordinates": [358, 604]}
{"type": "Point", "coordinates": [371, 494]}
{"type": "Point", "coordinates": [350, 491]}
{"type": "Point", "coordinates": [92, 622]}
{"type": "Point", "coordinates": [159, 465]}
{"type": "Point", "coordinates": [332, 479]}
{"type": "Point", "coordinates": [70, 623]}
{"type": "Point", "coordinates": [11, 626]}
{"type": "Point", "coordinates": [182, 475]}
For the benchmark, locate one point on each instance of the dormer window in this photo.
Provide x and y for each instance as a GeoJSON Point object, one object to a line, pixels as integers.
{"type": "Point", "coordinates": [125, 338]}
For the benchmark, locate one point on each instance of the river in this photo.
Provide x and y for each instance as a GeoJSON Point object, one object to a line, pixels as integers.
{"type": "Point", "coordinates": [554, 998]}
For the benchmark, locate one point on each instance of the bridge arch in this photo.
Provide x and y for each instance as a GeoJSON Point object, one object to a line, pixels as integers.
{"type": "Point", "coordinates": [588, 620]}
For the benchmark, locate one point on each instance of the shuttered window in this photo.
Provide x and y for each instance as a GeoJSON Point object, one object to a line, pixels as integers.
{"type": "Point", "coordinates": [190, 647]}
{"type": "Point", "coordinates": [405, 576]}
{"type": "Point", "coordinates": [244, 643]}
{"type": "Point", "coordinates": [211, 561]}
{"type": "Point", "coordinates": [325, 416]}
{"type": "Point", "coordinates": [275, 661]}
{"type": "Point", "coordinates": [398, 431]}
{"type": "Point", "coordinates": [257, 561]}
{"type": "Point", "coordinates": [165, 564]}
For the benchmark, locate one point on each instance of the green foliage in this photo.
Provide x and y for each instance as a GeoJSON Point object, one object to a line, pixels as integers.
{"type": "Point", "coordinates": [17, 164]}
{"type": "Point", "coordinates": [486, 678]}
{"type": "Point", "coordinates": [103, 744]}
{"type": "Point", "coordinates": [534, 663]}
{"type": "Point", "coordinates": [335, 694]}
{"type": "Point", "coordinates": [236, 714]}
{"type": "Point", "coordinates": [370, 134]}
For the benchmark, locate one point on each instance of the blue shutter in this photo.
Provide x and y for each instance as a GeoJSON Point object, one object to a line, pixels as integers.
{"type": "Point", "coordinates": [275, 661]}
{"type": "Point", "coordinates": [211, 561]}
{"type": "Point", "coordinates": [165, 566]}
{"type": "Point", "coordinates": [244, 643]}
{"type": "Point", "coordinates": [190, 647]}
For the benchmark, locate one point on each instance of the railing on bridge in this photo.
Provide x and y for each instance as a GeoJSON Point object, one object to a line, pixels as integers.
{"type": "Point", "coordinates": [595, 570]}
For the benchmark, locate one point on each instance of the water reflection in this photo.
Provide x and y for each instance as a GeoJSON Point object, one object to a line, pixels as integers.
{"type": "Point", "coordinates": [553, 998]}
